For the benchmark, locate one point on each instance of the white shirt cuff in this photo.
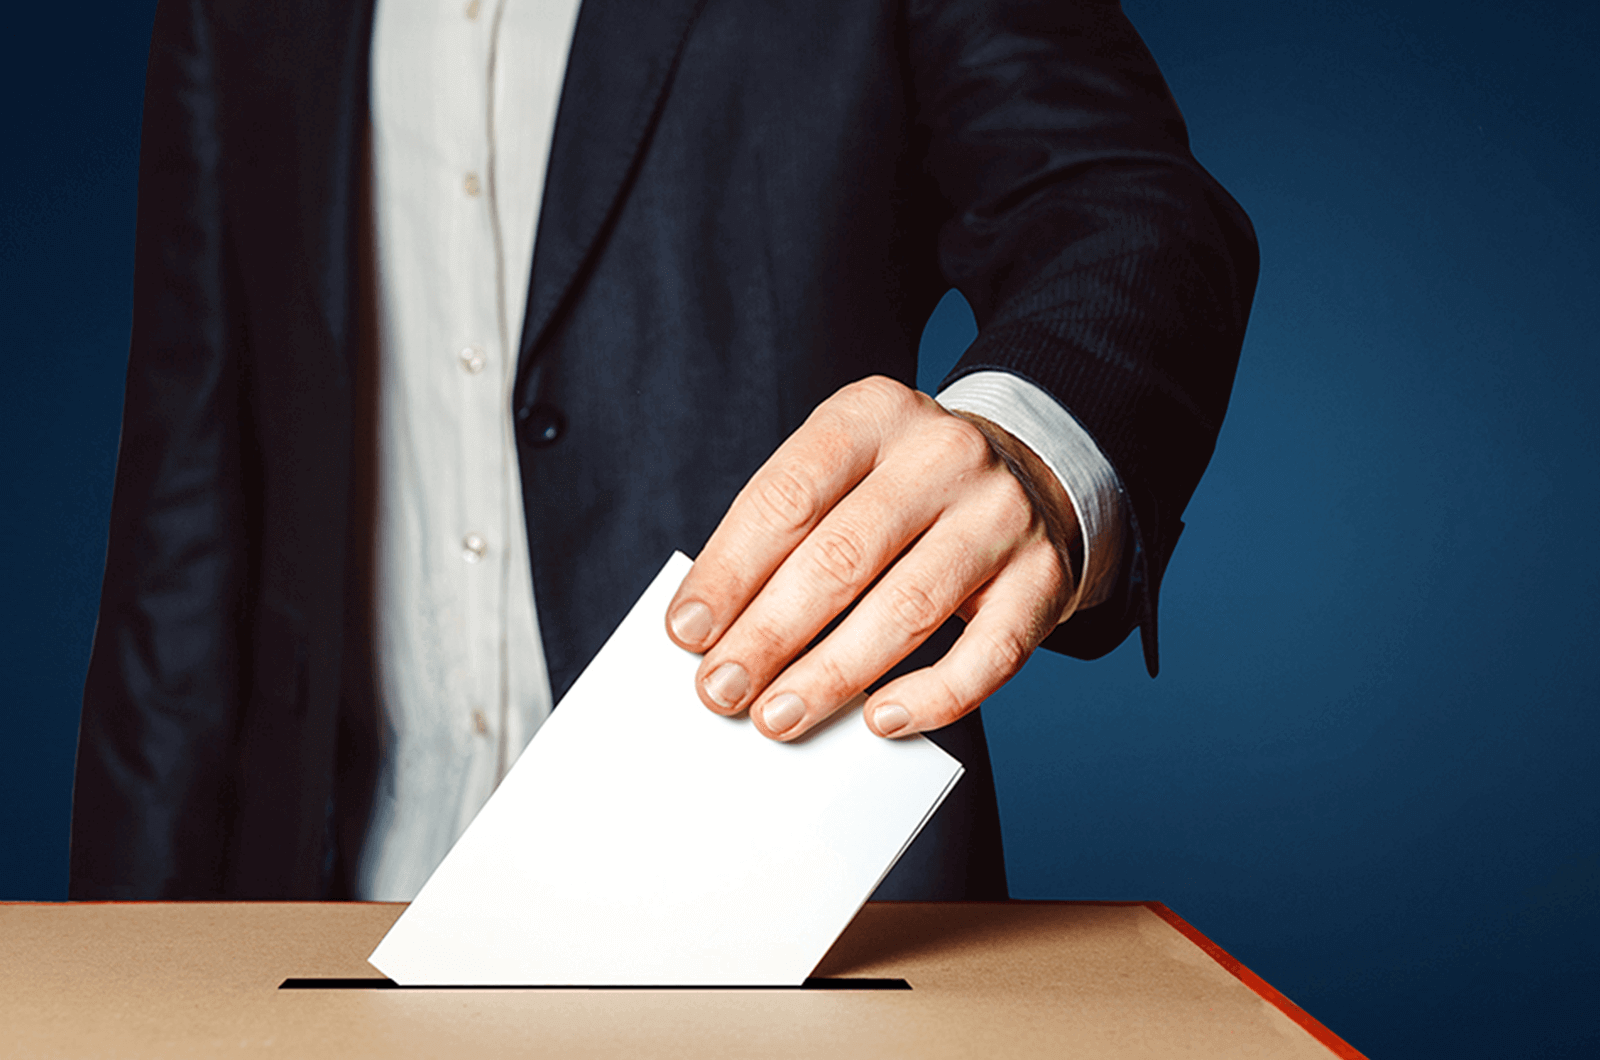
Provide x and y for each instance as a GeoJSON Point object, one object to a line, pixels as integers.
{"type": "Point", "coordinates": [1038, 421]}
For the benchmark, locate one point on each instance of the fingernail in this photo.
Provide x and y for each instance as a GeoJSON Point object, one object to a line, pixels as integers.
{"type": "Point", "coordinates": [691, 623]}
{"type": "Point", "coordinates": [784, 712]}
{"type": "Point", "coordinates": [727, 685]}
{"type": "Point", "coordinates": [891, 718]}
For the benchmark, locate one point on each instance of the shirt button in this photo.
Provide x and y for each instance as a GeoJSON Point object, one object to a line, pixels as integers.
{"type": "Point", "coordinates": [472, 360]}
{"type": "Point", "coordinates": [472, 184]}
{"type": "Point", "coordinates": [473, 547]}
{"type": "Point", "coordinates": [542, 424]}
{"type": "Point", "coordinates": [473, 7]}
{"type": "Point", "coordinates": [480, 724]}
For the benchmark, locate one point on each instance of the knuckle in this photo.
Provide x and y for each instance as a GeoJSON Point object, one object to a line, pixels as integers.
{"type": "Point", "coordinates": [760, 646]}
{"type": "Point", "coordinates": [913, 608]}
{"type": "Point", "coordinates": [1055, 575]}
{"type": "Point", "coordinates": [877, 388]}
{"type": "Point", "coordinates": [1006, 506]}
{"type": "Point", "coordinates": [839, 556]}
{"type": "Point", "coordinates": [787, 500]}
{"type": "Point", "coordinates": [943, 705]}
{"type": "Point", "coordinates": [962, 443]}
{"type": "Point", "coordinates": [765, 647]}
{"type": "Point", "coordinates": [1010, 491]}
{"type": "Point", "coordinates": [880, 394]}
{"type": "Point", "coordinates": [830, 676]}
{"type": "Point", "coordinates": [1007, 651]}
{"type": "Point", "coordinates": [1014, 513]}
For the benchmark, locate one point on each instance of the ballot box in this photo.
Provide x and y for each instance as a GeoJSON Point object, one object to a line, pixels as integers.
{"type": "Point", "coordinates": [923, 980]}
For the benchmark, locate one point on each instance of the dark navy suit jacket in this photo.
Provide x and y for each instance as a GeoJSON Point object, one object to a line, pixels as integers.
{"type": "Point", "coordinates": [748, 205]}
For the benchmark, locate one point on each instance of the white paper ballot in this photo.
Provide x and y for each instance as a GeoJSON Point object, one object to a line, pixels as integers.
{"type": "Point", "coordinates": [643, 840]}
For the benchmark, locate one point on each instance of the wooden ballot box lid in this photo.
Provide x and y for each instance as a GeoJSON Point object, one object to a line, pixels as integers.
{"type": "Point", "coordinates": [1012, 979]}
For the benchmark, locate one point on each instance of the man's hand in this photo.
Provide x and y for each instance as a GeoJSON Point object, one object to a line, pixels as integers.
{"type": "Point", "coordinates": [883, 492]}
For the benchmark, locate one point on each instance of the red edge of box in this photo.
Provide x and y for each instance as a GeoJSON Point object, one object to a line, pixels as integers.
{"type": "Point", "coordinates": [1337, 1045]}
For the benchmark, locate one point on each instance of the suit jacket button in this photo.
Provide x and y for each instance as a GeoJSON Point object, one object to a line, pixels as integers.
{"type": "Point", "coordinates": [541, 424]}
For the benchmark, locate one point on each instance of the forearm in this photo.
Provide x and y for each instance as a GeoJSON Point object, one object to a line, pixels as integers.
{"type": "Point", "coordinates": [1103, 264]}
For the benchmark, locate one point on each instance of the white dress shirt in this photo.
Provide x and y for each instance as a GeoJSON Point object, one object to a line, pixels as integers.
{"type": "Point", "coordinates": [464, 96]}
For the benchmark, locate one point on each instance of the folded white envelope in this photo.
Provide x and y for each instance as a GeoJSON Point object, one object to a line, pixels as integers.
{"type": "Point", "coordinates": [643, 840]}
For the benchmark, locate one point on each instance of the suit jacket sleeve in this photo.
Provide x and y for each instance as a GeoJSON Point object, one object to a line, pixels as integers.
{"type": "Point", "coordinates": [150, 798]}
{"type": "Point", "coordinates": [1102, 262]}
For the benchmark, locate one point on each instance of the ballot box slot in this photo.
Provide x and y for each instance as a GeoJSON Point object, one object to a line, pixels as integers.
{"type": "Point", "coordinates": [821, 983]}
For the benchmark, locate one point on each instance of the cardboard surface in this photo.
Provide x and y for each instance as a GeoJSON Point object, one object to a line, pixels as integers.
{"type": "Point", "coordinates": [1016, 979]}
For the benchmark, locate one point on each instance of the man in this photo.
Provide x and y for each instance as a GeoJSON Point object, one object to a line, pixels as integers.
{"type": "Point", "coordinates": [743, 216]}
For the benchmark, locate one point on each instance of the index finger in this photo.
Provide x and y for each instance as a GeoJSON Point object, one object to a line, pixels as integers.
{"type": "Point", "coordinates": [799, 484]}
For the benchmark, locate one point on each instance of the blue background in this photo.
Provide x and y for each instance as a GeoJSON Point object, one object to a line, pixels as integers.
{"type": "Point", "coordinates": [1362, 770]}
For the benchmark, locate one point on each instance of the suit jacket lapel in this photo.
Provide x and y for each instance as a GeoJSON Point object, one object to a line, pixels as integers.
{"type": "Point", "coordinates": [622, 58]}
